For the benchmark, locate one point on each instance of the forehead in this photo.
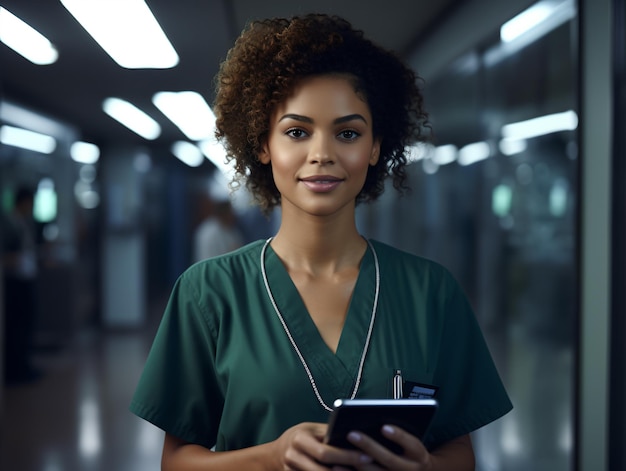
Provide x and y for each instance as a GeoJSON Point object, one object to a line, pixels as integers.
{"type": "Point", "coordinates": [325, 93]}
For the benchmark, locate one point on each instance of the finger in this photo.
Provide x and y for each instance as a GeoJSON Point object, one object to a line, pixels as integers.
{"type": "Point", "coordinates": [414, 451]}
{"type": "Point", "coordinates": [359, 467]}
{"type": "Point", "coordinates": [412, 446]}
{"type": "Point", "coordinates": [319, 429]}
{"type": "Point", "coordinates": [367, 445]}
{"type": "Point", "coordinates": [343, 459]}
{"type": "Point", "coordinates": [364, 467]}
{"type": "Point", "coordinates": [298, 461]}
{"type": "Point", "coordinates": [309, 444]}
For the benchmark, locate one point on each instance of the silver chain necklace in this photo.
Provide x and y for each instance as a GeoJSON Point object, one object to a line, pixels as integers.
{"type": "Point", "coordinates": [295, 345]}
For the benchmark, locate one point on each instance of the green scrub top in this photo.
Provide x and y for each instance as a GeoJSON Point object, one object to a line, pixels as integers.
{"type": "Point", "coordinates": [223, 373]}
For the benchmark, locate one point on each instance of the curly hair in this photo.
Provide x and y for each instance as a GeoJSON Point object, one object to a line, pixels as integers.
{"type": "Point", "coordinates": [264, 66]}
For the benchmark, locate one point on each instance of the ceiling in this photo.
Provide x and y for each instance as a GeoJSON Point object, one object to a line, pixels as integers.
{"type": "Point", "coordinates": [72, 89]}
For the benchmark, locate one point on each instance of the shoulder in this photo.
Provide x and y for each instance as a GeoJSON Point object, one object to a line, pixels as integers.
{"type": "Point", "coordinates": [242, 261]}
{"type": "Point", "coordinates": [212, 287]}
{"type": "Point", "coordinates": [392, 258]}
{"type": "Point", "coordinates": [413, 276]}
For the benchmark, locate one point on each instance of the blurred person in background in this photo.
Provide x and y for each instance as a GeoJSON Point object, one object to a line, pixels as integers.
{"type": "Point", "coordinates": [20, 243]}
{"type": "Point", "coordinates": [218, 232]}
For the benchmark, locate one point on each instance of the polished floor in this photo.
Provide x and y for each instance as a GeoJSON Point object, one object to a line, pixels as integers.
{"type": "Point", "coordinates": [75, 416]}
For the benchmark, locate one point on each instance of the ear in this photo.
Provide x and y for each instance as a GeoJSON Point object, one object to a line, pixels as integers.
{"type": "Point", "coordinates": [264, 155]}
{"type": "Point", "coordinates": [375, 152]}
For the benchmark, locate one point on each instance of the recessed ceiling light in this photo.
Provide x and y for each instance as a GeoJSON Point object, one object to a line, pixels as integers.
{"type": "Point", "coordinates": [542, 125]}
{"type": "Point", "coordinates": [84, 152]}
{"type": "Point", "coordinates": [132, 117]}
{"type": "Point", "coordinates": [189, 111]}
{"type": "Point", "coordinates": [127, 30]}
{"type": "Point", "coordinates": [188, 153]}
{"type": "Point", "coordinates": [26, 139]}
{"type": "Point", "coordinates": [25, 40]}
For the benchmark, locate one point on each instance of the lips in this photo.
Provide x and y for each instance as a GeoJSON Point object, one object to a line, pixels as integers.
{"type": "Point", "coordinates": [321, 179]}
{"type": "Point", "coordinates": [321, 183]}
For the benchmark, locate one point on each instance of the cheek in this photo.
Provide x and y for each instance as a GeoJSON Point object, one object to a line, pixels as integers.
{"type": "Point", "coordinates": [357, 161]}
{"type": "Point", "coordinates": [282, 161]}
{"type": "Point", "coordinates": [284, 167]}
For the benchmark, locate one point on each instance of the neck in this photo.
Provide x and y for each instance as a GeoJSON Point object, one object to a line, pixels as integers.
{"type": "Point", "coordinates": [319, 245]}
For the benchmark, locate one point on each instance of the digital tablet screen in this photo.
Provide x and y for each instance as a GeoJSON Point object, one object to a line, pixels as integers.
{"type": "Point", "coordinates": [369, 415]}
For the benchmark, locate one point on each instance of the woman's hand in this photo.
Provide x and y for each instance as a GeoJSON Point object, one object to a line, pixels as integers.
{"type": "Point", "coordinates": [301, 448]}
{"type": "Point", "coordinates": [455, 455]}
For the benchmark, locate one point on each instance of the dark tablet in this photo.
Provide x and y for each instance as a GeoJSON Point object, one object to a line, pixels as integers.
{"type": "Point", "coordinates": [369, 415]}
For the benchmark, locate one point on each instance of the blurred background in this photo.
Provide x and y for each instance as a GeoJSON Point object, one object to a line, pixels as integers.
{"type": "Point", "coordinates": [521, 195]}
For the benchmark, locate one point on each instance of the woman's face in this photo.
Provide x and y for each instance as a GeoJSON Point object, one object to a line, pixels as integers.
{"type": "Point", "coordinates": [320, 146]}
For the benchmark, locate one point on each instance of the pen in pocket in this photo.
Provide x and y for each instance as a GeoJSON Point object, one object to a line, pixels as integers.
{"type": "Point", "coordinates": [397, 384]}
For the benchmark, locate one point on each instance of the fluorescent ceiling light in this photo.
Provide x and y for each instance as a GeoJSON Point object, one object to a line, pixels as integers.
{"type": "Point", "coordinates": [418, 151]}
{"type": "Point", "coordinates": [132, 117]}
{"type": "Point", "coordinates": [127, 30]}
{"type": "Point", "coordinates": [529, 26]}
{"type": "Point", "coordinates": [512, 146]}
{"type": "Point", "coordinates": [526, 20]}
{"type": "Point", "coordinates": [565, 121]}
{"type": "Point", "coordinates": [445, 154]}
{"type": "Point", "coordinates": [26, 139]}
{"type": "Point", "coordinates": [84, 152]}
{"type": "Point", "coordinates": [188, 111]}
{"type": "Point", "coordinates": [25, 40]}
{"type": "Point", "coordinates": [473, 153]}
{"type": "Point", "coordinates": [23, 118]}
{"type": "Point", "coordinates": [429, 166]}
{"type": "Point", "coordinates": [188, 153]}
{"type": "Point", "coordinates": [215, 152]}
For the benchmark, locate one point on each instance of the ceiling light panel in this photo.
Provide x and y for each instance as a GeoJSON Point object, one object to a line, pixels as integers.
{"type": "Point", "coordinates": [26, 139]}
{"type": "Point", "coordinates": [188, 111]}
{"type": "Point", "coordinates": [188, 153]}
{"type": "Point", "coordinates": [84, 152]}
{"type": "Point", "coordinates": [132, 117]}
{"type": "Point", "coordinates": [215, 152]}
{"type": "Point", "coordinates": [127, 30]}
{"type": "Point", "coordinates": [475, 152]}
{"type": "Point", "coordinates": [540, 126]}
{"type": "Point", "coordinates": [25, 40]}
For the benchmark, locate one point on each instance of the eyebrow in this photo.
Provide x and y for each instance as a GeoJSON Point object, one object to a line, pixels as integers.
{"type": "Point", "coordinates": [306, 119]}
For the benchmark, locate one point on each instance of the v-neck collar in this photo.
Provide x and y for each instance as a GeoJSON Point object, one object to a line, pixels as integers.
{"type": "Point", "coordinates": [339, 369]}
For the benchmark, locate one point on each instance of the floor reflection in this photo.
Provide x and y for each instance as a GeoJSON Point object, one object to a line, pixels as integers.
{"type": "Point", "coordinates": [76, 416]}
{"type": "Point", "coordinates": [538, 433]}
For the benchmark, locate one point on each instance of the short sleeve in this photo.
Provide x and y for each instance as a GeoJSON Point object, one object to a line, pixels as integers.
{"type": "Point", "coordinates": [470, 391]}
{"type": "Point", "coordinates": [178, 390]}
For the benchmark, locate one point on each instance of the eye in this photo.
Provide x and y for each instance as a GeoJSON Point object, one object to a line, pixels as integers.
{"type": "Point", "coordinates": [296, 133]}
{"type": "Point", "coordinates": [348, 135]}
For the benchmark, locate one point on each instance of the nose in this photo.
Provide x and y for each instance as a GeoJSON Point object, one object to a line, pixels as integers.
{"type": "Point", "coordinates": [321, 151]}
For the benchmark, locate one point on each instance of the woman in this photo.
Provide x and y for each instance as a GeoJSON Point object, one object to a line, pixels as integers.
{"type": "Point", "coordinates": [256, 345]}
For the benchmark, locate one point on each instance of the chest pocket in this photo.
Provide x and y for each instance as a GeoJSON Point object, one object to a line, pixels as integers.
{"type": "Point", "coordinates": [417, 385]}
{"type": "Point", "coordinates": [378, 383]}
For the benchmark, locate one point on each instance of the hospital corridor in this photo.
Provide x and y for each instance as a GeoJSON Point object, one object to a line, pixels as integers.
{"type": "Point", "coordinates": [519, 193]}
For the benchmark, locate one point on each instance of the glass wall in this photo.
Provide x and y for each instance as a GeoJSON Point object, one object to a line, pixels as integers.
{"type": "Point", "coordinates": [41, 162]}
{"type": "Point", "coordinates": [495, 200]}
{"type": "Point", "coordinates": [617, 424]}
